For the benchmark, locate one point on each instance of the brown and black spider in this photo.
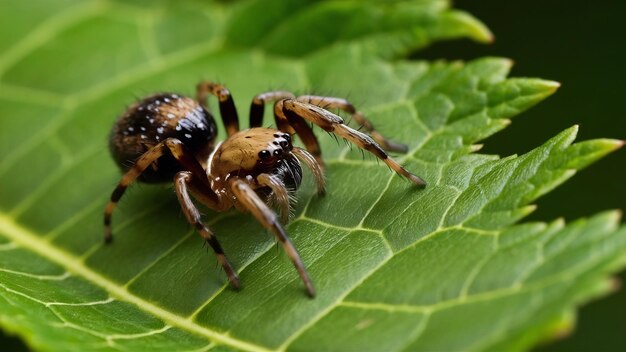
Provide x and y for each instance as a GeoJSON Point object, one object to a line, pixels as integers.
{"type": "Point", "coordinates": [169, 136]}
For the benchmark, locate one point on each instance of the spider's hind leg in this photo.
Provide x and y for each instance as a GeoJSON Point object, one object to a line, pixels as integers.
{"type": "Point", "coordinates": [228, 111]}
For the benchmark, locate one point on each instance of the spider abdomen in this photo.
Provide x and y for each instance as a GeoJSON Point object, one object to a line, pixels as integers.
{"type": "Point", "coordinates": [154, 119]}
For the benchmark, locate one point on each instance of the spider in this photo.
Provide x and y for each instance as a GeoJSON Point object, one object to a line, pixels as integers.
{"type": "Point", "coordinates": [168, 136]}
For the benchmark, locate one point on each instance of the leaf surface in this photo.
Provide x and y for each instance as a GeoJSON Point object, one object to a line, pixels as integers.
{"type": "Point", "coordinates": [444, 268]}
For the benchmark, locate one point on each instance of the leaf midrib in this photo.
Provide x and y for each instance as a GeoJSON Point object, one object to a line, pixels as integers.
{"type": "Point", "coordinates": [72, 264]}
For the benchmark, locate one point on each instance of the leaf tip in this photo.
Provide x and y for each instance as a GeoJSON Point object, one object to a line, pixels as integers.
{"type": "Point", "coordinates": [476, 147]}
{"type": "Point", "coordinates": [553, 85]}
{"type": "Point", "coordinates": [558, 222]}
{"type": "Point", "coordinates": [548, 87]}
{"type": "Point", "coordinates": [544, 88]}
{"type": "Point", "coordinates": [615, 284]}
{"type": "Point", "coordinates": [608, 145]}
{"type": "Point", "coordinates": [563, 327]}
{"type": "Point", "coordinates": [527, 210]}
{"type": "Point", "coordinates": [476, 29]}
{"type": "Point", "coordinates": [572, 132]}
{"type": "Point", "coordinates": [524, 211]}
{"type": "Point", "coordinates": [616, 143]}
{"type": "Point", "coordinates": [487, 36]}
{"type": "Point", "coordinates": [615, 216]}
{"type": "Point", "coordinates": [509, 62]}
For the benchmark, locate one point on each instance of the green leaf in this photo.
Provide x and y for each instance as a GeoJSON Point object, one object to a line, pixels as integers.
{"type": "Point", "coordinates": [445, 268]}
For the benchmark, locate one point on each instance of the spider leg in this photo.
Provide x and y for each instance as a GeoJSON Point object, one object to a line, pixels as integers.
{"type": "Point", "coordinates": [344, 105]}
{"type": "Point", "coordinates": [182, 182]}
{"type": "Point", "coordinates": [227, 105]}
{"type": "Point", "coordinates": [314, 166]}
{"type": "Point", "coordinates": [251, 201]}
{"type": "Point", "coordinates": [297, 110]}
{"type": "Point", "coordinates": [172, 146]}
{"type": "Point", "coordinates": [280, 193]}
{"type": "Point", "coordinates": [302, 128]}
{"type": "Point", "coordinates": [282, 123]}
{"type": "Point", "coordinates": [258, 105]}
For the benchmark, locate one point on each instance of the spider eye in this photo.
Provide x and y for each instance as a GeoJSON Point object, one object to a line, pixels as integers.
{"type": "Point", "coordinates": [287, 136]}
{"type": "Point", "coordinates": [265, 154]}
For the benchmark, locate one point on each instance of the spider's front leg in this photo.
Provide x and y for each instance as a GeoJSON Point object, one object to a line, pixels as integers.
{"type": "Point", "coordinates": [257, 107]}
{"type": "Point", "coordinates": [184, 181]}
{"type": "Point", "coordinates": [303, 130]}
{"type": "Point", "coordinates": [297, 111]}
{"type": "Point", "coordinates": [344, 105]}
{"type": "Point", "coordinates": [248, 198]}
{"type": "Point", "coordinates": [170, 146]}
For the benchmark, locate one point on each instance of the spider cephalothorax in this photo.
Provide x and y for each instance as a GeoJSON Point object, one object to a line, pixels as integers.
{"type": "Point", "coordinates": [255, 151]}
{"type": "Point", "coordinates": [168, 136]}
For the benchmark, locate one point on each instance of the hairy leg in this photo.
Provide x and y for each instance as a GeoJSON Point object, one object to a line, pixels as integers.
{"type": "Point", "coordinates": [264, 215]}
{"type": "Point", "coordinates": [226, 103]}
{"type": "Point", "coordinates": [170, 146]}
{"type": "Point", "coordinates": [344, 105]}
{"type": "Point", "coordinates": [258, 105]}
{"type": "Point", "coordinates": [181, 182]}
{"type": "Point", "coordinates": [332, 123]}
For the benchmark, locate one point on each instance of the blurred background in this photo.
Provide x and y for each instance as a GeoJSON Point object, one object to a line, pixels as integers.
{"type": "Point", "coordinates": [581, 45]}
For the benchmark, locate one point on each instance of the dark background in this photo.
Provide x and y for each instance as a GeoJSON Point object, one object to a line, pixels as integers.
{"type": "Point", "coordinates": [581, 44]}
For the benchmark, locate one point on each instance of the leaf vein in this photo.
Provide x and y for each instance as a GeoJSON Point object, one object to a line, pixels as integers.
{"type": "Point", "coordinates": [33, 242]}
{"type": "Point", "coordinates": [47, 30]}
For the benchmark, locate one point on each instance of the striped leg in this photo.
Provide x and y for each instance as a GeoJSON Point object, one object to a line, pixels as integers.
{"type": "Point", "coordinates": [252, 203]}
{"type": "Point", "coordinates": [227, 105]}
{"type": "Point", "coordinates": [192, 214]}
{"type": "Point", "coordinates": [258, 105]}
{"type": "Point", "coordinates": [172, 146]}
{"type": "Point", "coordinates": [344, 105]}
{"type": "Point", "coordinates": [333, 123]}
{"type": "Point", "coordinates": [283, 122]}
{"type": "Point", "coordinates": [304, 131]}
